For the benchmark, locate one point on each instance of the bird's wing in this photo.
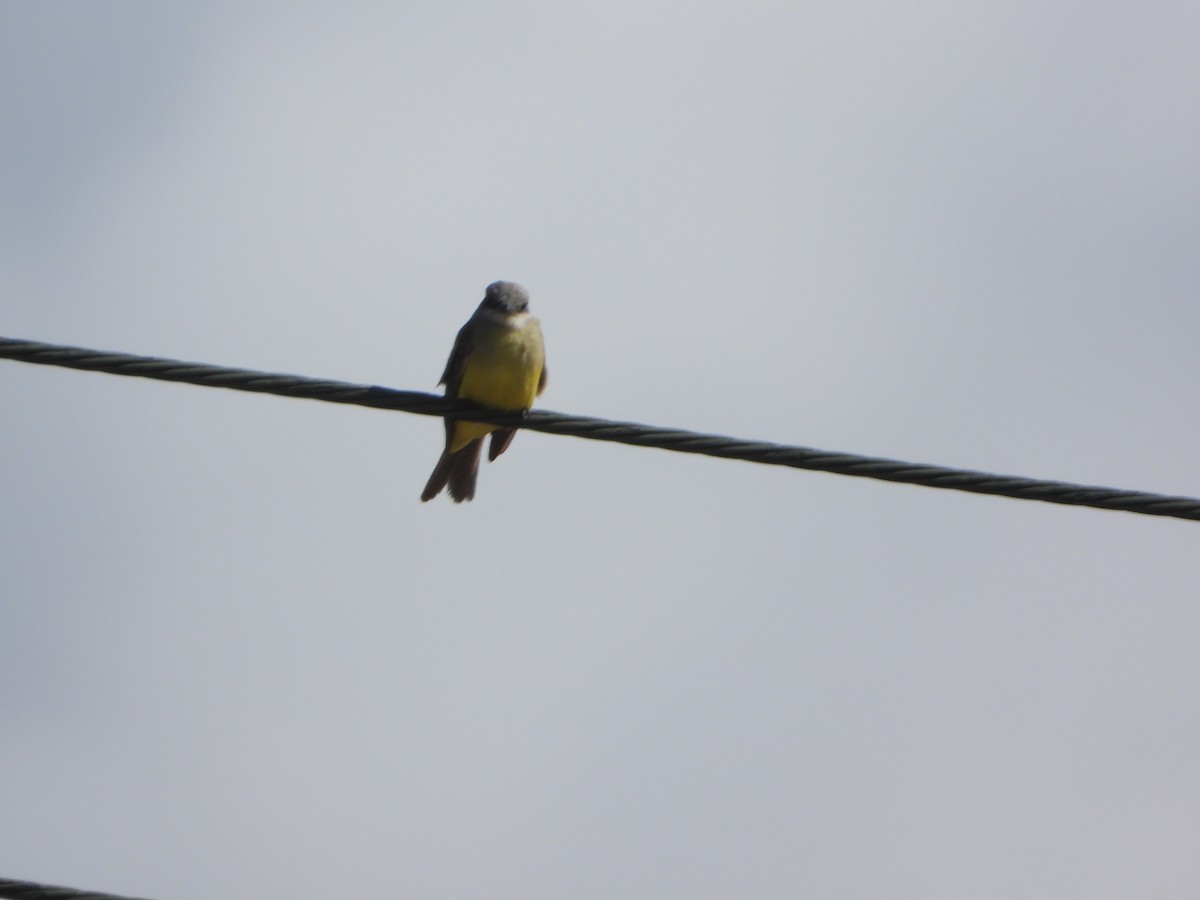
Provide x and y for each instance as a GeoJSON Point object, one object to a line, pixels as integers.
{"type": "Point", "coordinates": [452, 377]}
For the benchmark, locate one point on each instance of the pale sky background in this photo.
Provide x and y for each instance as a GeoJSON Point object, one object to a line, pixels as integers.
{"type": "Point", "coordinates": [242, 660]}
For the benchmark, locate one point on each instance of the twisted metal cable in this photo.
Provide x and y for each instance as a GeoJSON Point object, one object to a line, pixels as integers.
{"type": "Point", "coordinates": [12, 889]}
{"type": "Point", "coordinates": [606, 430]}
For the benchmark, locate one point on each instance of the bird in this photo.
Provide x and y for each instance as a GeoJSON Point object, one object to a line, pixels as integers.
{"type": "Point", "coordinates": [498, 361]}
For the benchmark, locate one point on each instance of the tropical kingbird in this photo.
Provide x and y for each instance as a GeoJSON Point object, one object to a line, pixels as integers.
{"type": "Point", "coordinates": [497, 361]}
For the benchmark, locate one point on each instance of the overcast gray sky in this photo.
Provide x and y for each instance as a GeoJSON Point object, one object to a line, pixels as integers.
{"type": "Point", "coordinates": [242, 660]}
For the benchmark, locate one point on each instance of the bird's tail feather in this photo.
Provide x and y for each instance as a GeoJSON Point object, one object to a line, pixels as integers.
{"type": "Point", "coordinates": [464, 469]}
{"type": "Point", "coordinates": [457, 471]}
{"type": "Point", "coordinates": [437, 480]}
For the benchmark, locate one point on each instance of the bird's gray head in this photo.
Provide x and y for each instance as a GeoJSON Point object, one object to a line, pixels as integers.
{"type": "Point", "coordinates": [506, 297]}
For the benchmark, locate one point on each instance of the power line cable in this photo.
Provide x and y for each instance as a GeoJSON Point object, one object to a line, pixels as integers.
{"type": "Point", "coordinates": [1016, 487]}
{"type": "Point", "coordinates": [11, 889]}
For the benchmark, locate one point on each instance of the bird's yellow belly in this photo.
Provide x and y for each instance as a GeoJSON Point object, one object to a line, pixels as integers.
{"type": "Point", "coordinates": [504, 376]}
